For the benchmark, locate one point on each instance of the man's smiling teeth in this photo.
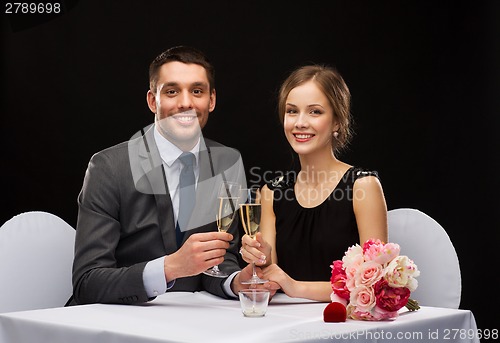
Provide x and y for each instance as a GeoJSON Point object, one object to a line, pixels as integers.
{"type": "Point", "coordinates": [303, 136]}
{"type": "Point", "coordinates": [185, 119]}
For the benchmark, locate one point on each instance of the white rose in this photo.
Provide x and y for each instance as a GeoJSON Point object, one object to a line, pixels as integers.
{"type": "Point", "coordinates": [401, 272]}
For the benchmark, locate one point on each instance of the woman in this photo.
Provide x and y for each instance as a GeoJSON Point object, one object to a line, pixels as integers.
{"type": "Point", "coordinates": [311, 218]}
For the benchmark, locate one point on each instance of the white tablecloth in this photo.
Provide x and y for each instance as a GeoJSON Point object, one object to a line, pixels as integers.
{"type": "Point", "coordinates": [202, 317]}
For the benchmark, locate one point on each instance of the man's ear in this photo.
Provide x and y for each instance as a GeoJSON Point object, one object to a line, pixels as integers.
{"type": "Point", "coordinates": [151, 100]}
{"type": "Point", "coordinates": [212, 101]}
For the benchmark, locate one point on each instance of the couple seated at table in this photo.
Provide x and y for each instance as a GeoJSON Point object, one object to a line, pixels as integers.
{"type": "Point", "coordinates": [147, 208]}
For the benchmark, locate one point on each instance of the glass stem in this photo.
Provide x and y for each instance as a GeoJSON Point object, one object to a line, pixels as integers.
{"type": "Point", "coordinates": [253, 270]}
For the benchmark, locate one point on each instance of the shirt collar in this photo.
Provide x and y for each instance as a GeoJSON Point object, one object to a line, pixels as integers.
{"type": "Point", "coordinates": [169, 152]}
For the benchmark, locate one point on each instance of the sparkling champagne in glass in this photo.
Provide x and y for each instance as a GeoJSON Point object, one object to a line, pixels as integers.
{"type": "Point", "coordinates": [250, 218]}
{"type": "Point", "coordinates": [227, 210]}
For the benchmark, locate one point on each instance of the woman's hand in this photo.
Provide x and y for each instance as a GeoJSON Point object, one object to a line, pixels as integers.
{"type": "Point", "coordinates": [313, 290]}
{"type": "Point", "coordinates": [245, 274]}
{"type": "Point", "coordinates": [273, 273]}
{"type": "Point", "coordinates": [256, 250]}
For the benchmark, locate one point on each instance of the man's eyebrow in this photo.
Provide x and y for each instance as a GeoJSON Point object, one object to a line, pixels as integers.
{"type": "Point", "coordinates": [170, 84]}
{"type": "Point", "coordinates": [200, 84]}
{"type": "Point", "coordinates": [194, 84]}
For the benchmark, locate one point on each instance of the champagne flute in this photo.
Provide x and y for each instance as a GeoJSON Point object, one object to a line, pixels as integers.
{"type": "Point", "coordinates": [227, 211]}
{"type": "Point", "coordinates": [250, 210]}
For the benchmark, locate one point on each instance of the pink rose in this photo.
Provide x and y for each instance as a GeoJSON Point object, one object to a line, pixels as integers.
{"type": "Point", "coordinates": [376, 314]}
{"type": "Point", "coordinates": [368, 274]}
{"type": "Point", "coordinates": [352, 259]}
{"type": "Point", "coordinates": [381, 314]}
{"type": "Point", "coordinates": [380, 252]}
{"type": "Point", "coordinates": [354, 313]}
{"type": "Point", "coordinates": [351, 262]}
{"type": "Point", "coordinates": [363, 298]}
{"type": "Point", "coordinates": [390, 298]}
{"type": "Point", "coordinates": [338, 280]}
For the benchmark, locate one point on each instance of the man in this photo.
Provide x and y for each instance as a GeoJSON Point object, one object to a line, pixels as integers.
{"type": "Point", "coordinates": [139, 234]}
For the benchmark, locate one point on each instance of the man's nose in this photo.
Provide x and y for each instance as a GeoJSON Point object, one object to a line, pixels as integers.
{"type": "Point", "coordinates": [185, 100]}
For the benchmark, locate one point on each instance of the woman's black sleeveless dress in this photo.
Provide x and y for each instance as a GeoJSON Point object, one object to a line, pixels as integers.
{"type": "Point", "coordinates": [308, 240]}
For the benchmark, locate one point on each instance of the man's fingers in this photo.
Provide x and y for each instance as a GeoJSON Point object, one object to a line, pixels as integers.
{"type": "Point", "coordinates": [212, 236]}
{"type": "Point", "coordinates": [214, 254]}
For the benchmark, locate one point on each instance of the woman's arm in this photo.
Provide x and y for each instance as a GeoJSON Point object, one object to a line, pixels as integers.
{"type": "Point", "coordinates": [313, 290]}
{"type": "Point", "coordinates": [268, 224]}
{"type": "Point", "coordinates": [370, 209]}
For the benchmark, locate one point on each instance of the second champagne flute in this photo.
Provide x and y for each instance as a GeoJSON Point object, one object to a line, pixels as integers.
{"type": "Point", "coordinates": [250, 219]}
{"type": "Point", "coordinates": [227, 210]}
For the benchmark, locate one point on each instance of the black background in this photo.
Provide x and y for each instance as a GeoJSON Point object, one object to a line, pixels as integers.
{"type": "Point", "coordinates": [424, 78]}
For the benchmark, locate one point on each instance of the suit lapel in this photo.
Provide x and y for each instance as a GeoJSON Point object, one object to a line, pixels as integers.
{"type": "Point", "coordinates": [152, 167]}
{"type": "Point", "coordinates": [166, 216]}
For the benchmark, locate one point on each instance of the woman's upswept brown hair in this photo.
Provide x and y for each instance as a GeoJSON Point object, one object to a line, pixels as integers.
{"type": "Point", "coordinates": [335, 89]}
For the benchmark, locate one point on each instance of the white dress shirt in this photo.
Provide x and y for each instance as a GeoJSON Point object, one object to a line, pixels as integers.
{"type": "Point", "coordinates": [169, 154]}
{"type": "Point", "coordinates": [154, 274]}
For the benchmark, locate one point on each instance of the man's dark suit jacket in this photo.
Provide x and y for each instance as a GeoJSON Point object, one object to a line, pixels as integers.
{"type": "Point", "coordinates": [126, 219]}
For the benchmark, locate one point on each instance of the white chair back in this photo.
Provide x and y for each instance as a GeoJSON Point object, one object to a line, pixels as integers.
{"type": "Point", "coordinates": [36, 258]}
{"type": "Point", "coordinates": [423, 240]}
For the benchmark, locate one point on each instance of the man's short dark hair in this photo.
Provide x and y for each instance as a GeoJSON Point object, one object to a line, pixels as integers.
{"type": "Point", "coordinates": [182, 54]}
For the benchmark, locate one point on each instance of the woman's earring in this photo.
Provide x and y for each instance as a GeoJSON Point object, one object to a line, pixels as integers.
{"type": "Point", "coordinates": [335, 134]}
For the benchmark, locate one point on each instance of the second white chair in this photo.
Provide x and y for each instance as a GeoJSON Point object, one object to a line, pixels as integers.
{"type": "Point", "coordinates": [424, 241]}
{"type": "Point", "coordinates": [36, 257]}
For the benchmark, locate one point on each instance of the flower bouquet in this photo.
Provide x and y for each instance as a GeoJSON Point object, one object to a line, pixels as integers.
{"type": "Point", "coordinates": [374, 281]}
